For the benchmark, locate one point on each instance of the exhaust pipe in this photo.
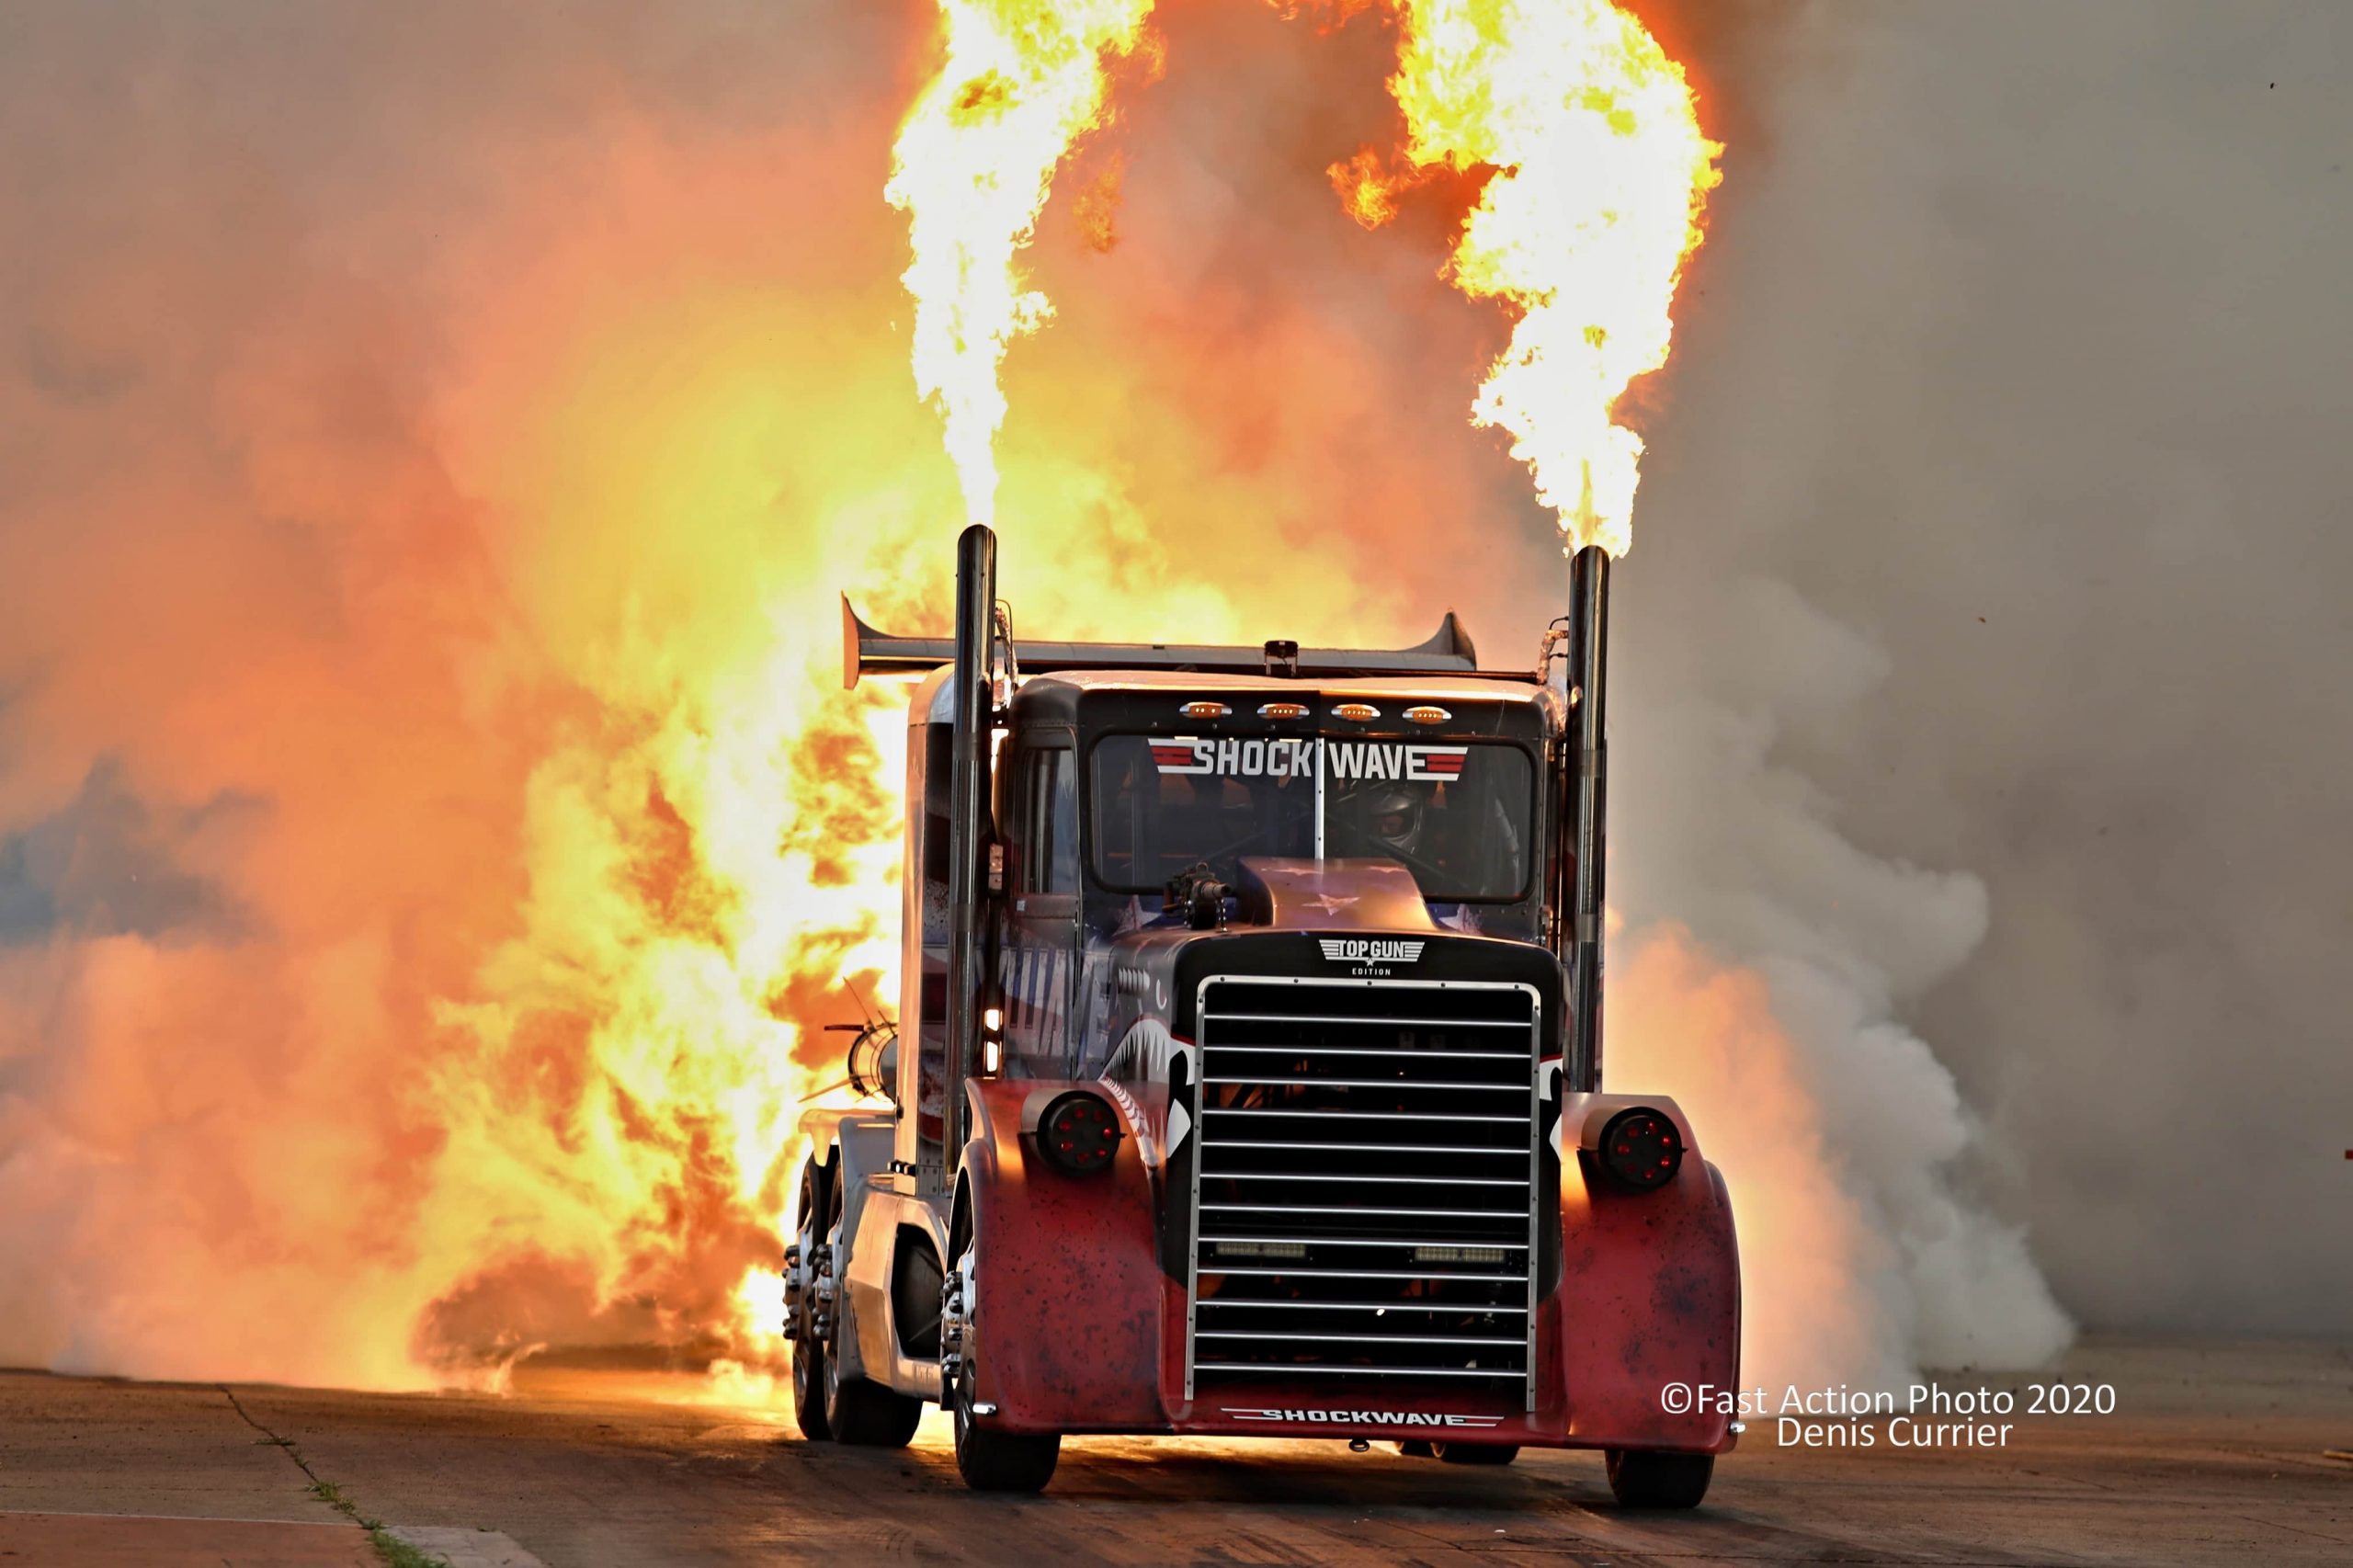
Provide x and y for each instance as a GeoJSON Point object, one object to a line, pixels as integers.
{"type": "Point", "coordinates": [1581, 924]}
{"type": "Point", "coordinates": [968, 828]}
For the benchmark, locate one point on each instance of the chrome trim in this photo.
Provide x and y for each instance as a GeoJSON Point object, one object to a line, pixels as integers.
{"type": "Point", "coordinates": [1398, 1148]}
{"type": "Point", "coordinates": [1312, 1209]}
{"type": "Point", "coordinates": [1362, 1084]}
{"type": "Point", "coordinates": [1209, 1020]}
{"type": "Point", "coordinates": [1383, 1180]}
{"type": "Point", "coordinates": [1273, 1369]}
{"type": "Point", "coordinates": [1369, 1241]}
{"type": "Point", "coordinates": [1368, 1338]}
{"type": "Point", "coordinates": [1378, 1051]}
{"type": "Point", "coordinates": [1369, 1115]}
{"type": "Point", "coordinates": [1353, 1307]}
{"type": "Point", "coordinates": [1377, 1023]}
{"type": "Point", "coordinates": [1371, 1274]}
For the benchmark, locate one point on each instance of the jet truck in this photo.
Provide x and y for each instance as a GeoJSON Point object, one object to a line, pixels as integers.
{"type": "Point", "coordinates": [1247, 1078]}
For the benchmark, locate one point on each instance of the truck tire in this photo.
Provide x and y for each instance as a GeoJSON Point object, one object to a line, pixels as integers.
{"type": "Point", "coordinates": [866, 1414]}
{"type": "Point", "coordinates": [1000, 1461]}
{"type": "Point", "coordinates": [807, 1350]}
{"type": "Point", "coordinates": [1475, 1453]}
{"type": "Point", "coordinates": [1641, 1478]}
{"type": "Point", "coordinates": [859, 1411]}
{"type": "Point", "coordinates": [988, 1461]}
{"type": "Point", "coordinates": [809, 1390]}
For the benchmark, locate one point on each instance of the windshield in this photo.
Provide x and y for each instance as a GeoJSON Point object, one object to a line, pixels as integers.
{"type": "Point", "coordinates": [1454, 813]}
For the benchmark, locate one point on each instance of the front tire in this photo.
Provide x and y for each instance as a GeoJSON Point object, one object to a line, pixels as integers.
{"type": "Point", "coordinates": [1000, 1461]}
{"type": "Point", "coordinates": [1642, 1478]}
{"type": "Point", "coordinates": [989, 1460]}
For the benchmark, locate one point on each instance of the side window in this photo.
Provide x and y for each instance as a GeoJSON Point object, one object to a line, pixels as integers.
{"type": "Point", "coordinates": [1061, 823]}
{"type": "Point", "coordinates": [1050, 805]}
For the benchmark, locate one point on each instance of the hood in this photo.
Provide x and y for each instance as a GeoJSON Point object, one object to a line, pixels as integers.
{"type": "Point", "coordinates": [1330, 895]}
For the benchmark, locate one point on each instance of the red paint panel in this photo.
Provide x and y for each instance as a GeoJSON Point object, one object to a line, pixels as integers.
{"type": "Point", "coordinates": [1650, 1295]}
{"type": "Point", "coordinates": [1068, 1317]}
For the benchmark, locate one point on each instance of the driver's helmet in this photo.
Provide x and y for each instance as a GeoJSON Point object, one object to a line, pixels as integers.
{"type": "Point", "coordinates": [1393, 818]}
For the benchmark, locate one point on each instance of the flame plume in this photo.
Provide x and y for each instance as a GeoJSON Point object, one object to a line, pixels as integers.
{"type": "Point", "coordinates": [1601, 174]}
{"type": "Point", "coordinates": [975, 161]}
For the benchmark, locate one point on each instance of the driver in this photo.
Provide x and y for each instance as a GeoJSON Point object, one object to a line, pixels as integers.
{"type": "Point", "coordinates": [1392, 819]}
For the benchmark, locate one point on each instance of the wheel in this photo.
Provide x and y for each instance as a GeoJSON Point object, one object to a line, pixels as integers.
{"type": "Point", "coordinates": [865, 1413]}
{"type": "Point", "coordinates": [1415, 1449]}
{"type": "Point", "coordinates": [1000, 1461]}
{"type": "Point", "coordinates": [1475, 1453]}
{"type": "Point", "coordinates": [989, 1460]}
{"type": "Point", "coordinates": [809, 1379]}
{"type": "Point", "coordinates": [856, 1410]}
{"type": "Point", "coordinates": [807, 1350]}
{"type": "Point", "coordinates": [1646, 1479]}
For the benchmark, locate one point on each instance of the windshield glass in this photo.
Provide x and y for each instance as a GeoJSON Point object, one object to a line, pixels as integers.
{"type": "Point", "coordinates": [1456, 813]}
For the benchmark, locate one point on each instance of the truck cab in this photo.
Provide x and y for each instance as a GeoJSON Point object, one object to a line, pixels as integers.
{"type": "Point", "coordinates": [1247, 1072]}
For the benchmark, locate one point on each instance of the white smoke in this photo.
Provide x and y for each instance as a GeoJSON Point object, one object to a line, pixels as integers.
{"type": "Point", "coordinates": [1845, 1142]}
{"type": "Point", "coordinates": [2029, 364]}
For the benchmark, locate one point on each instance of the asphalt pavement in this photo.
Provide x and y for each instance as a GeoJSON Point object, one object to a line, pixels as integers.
{"type": "Point", "coordinates": [2214, 1453]}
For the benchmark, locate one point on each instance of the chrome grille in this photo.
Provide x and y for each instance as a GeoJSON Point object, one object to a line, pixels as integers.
{"type": "Point", "coordinates": [1364, 1187]}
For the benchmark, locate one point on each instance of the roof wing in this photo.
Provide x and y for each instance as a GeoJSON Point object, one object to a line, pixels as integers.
{"type": "Point", "coordinates": [867, 651]}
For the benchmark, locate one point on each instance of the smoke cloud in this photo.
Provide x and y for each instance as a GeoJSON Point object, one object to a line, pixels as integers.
{"type": "Point", "coordinates": [1996, 523]}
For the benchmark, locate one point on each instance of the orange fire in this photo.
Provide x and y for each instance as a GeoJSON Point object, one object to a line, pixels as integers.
{"type": "Point", "coordinates": [1600, 175]}
{"type": "Point", "coordinates": [1022, 81]}
{"type": "Point", "coordinates": [549, 838]}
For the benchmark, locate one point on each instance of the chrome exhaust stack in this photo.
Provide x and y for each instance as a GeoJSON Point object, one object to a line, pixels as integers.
{"type": "Point", "coordinates": [1587, 801]}
{"type": "Point", "coordinates": [969, 829]}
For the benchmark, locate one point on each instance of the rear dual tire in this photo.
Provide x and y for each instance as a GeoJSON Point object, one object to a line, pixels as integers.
{"type": "Point", "coordinates": [1474, 1453]}
{"type": "Point", "coordinates": [809, 1389]}
{"type": "Point", "coordinates": [808, 1351]}
{"type": "Point", "coordinates": [855, 1411]}
{"type": "Point", "coordinates": [865, 1415]}
{"type": "Point", "coordinates": [1459, 1453]}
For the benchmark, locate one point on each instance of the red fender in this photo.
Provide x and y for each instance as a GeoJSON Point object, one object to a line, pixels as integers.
{"type": "Point", "coordinates": [1650, 1293]}
{"type": "Point", "coordinates": [1067, 1280]}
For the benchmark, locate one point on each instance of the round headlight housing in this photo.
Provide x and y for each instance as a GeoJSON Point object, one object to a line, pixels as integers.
{"type": "Point", "coordinates": [1641, 1149]}
{"type": "Point", "coordinates": [1079, 1133]}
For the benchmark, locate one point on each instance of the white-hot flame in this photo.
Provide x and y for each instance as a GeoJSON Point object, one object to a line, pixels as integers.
{"type": "Point", "coordinates": [975, 161]}
{"type": "Point", "coordinates": [1600, 175]}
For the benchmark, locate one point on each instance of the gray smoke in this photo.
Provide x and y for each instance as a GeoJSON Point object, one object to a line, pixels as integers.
{"type": "Point", "coordinates": [1996, 525]}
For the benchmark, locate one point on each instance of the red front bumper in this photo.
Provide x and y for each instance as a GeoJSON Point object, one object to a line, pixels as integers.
{"type": "Point", "coordinates": [1083, 1332]}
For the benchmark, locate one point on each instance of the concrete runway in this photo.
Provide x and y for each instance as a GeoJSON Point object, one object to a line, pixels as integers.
{"type": "Point", "coordinates": [2215, 1455]}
